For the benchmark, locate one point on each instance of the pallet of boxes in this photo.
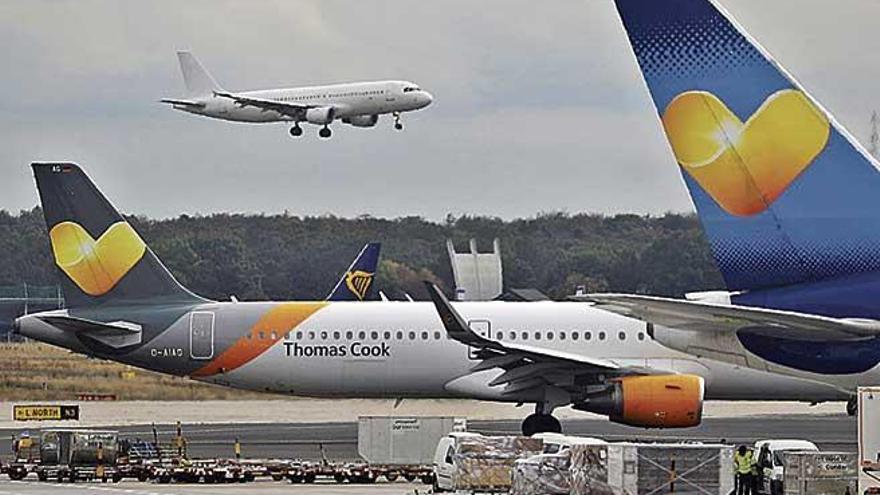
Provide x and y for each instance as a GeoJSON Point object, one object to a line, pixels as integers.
{"type": "Point", "coordinates": [485, 464]}
{"type": "Point", "coordinates": [628, 469]}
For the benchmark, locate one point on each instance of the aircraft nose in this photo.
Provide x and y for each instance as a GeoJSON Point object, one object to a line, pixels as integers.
{"type": "Point", "coordinates": [427, 98]}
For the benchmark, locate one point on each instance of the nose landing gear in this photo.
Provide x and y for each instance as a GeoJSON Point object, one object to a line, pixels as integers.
{"type": "Point", "coordinates": [852, 406]}
{"type": "Point", "coordinates": [296, 131]}
{"type": "Point", "coordinates": [397, 124]}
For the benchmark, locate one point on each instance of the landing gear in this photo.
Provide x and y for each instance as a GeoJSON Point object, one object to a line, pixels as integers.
{"type": "Point", "coordinates": [324, 132]}
{"type": "Point", "coordinates": [540, 423]}
{"type": "Point", "coordinates": [397, 124]}
{"type": "Point", "coordinates": [852, 406]}
{"type": "Point", "coordinates": [296, 131]}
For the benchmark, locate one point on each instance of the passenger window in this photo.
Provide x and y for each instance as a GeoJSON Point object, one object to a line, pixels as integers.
{"type": "Point", "coordinates": [399, 335]}
{"type": "Point", "coordinates": [436, 335]}
{"type": "Point", "coordinates": [601, 335]}
{"type": "Point", "coordinates": [537, 335]}
{"type": "Point", "coordinates": [349, 335]}
{"type": "Point", "coordinates": [374, 335]}
{"type": "Point", "coordinates": [412, 336]}
{"type": "Point", "coordinates": [362, 335]}
{"type": "Point", "coordinates": [324, 335]}
{"type": "Point", "coordinates": [387, 335]}
{"type": "Point", "coordinates": [424, 335]}
{"type": "Point", "coordinates": [499, 335]}
{"type": "Point", "coordinates": [311, 335]}
{"type": "Point", "coordinates": [262, 336]}
{"type": "Point", "coordinates": [512, 335]}
{"type": "Point", "coordinates": [336, 335]}
{"type": "Point", "coordinates": [561, 335]}
{"type": "Point", "coordinates": [621, 335]}
{"type": "Point", "coordinates": [574, 335]}
{"type": "Point", "coordinates": [525, 335]}
{"type": "Point", "coordinates": [299, 335]}
{"type": "Point", "coordinates": [549, 335]}
{"type": "Point", "coordinates": [588, 335]}
{"type": "Point", "coordinates": [641, 336]}
{"type": "Point", "coordinates": [274, 336]}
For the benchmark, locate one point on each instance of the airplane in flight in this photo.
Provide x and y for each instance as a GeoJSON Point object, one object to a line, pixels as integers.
{"type": "Point", "coordinates": [787, 198]}
{"type": "Point", "coordinates": [124, 305]}
{"type": "Point", "coordinates": [358, 104]}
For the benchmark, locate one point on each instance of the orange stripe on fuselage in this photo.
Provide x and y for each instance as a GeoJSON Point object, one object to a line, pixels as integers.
{"type": "Point", "coordinates": [281, 319]}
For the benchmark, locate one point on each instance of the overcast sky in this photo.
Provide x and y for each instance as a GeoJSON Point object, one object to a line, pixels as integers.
{"type": "Point", "coordinates": [538, 106]}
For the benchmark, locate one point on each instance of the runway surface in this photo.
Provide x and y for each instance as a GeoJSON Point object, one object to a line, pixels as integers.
{"type": "Point", "coordinates": [339, 440]}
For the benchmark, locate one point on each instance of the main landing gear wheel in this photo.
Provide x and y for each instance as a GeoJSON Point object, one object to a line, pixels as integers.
{"type": "Point", "coordinates": [325, 132]}
{"type": "Point", "coordinates": [296, 131]}
{"type": "Point", "coordinates": [540, 423]}
{"type": "Point", "coordinates": [397, 124]}
{"type": "Point", "coordinates": [852, 406]}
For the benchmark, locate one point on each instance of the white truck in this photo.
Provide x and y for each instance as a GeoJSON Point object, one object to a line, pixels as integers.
{"type": "Point", "coordinates": [769, 455]}
{"type": "Point", "coordinates": [555, 443]}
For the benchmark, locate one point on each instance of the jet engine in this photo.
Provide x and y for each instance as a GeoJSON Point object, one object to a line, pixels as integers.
{"type": "Point", "coordinates": [320, 115]}
{"type": "Point", "coordinates": [653, 401]}
{"type": "Point", "coordinates": [362, 120]}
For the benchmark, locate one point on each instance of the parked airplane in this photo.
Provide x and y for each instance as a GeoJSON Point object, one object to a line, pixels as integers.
{"type": "Point", "coordinates": [787, 198]}
{"type": "Point", "coordinates": [357, 281]}
{"type": "Point", "coordinates": [124, 305]}
{"type": "Point", "coordinates": [358, 104]}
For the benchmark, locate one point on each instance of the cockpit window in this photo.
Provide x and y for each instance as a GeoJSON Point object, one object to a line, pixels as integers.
{"type": "Point", "coordinates": [410, 89]}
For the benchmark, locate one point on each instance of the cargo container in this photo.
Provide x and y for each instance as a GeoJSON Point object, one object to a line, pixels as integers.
{"type": "Point", "coordinates": [74, 454]}
{"type": "Point", "coordinates": [402, 440]}
{"type": "Point", "coordinates": [642, 468]}
{"type": "Point", "coordinates": [869, 440]}
{"type": "Point", "coordinates": [820, 473]}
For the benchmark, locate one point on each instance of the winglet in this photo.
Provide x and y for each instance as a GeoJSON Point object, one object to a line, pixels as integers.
{"type": "Point", "coordinates": [455, 325]}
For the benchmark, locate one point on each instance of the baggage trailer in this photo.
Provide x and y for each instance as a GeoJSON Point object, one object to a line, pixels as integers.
{"type": "Point", "coordinates": [25, 456]}
{"type": "Point", "coordinates": [75, 454]}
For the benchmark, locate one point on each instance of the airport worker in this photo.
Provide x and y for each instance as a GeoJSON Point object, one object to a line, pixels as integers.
{"type": "Point", "coordinates": [743, 461]}
{"type": "Point", "coordinates": [762, 462]}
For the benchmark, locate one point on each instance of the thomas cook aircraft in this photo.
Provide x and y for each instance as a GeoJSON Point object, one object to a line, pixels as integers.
{"type": "Point", "coordinates": [124, 305]}
{"type": "Point", "coordinates": [787, 198]}
{"type": "Point", "coordinates": [358, 104]}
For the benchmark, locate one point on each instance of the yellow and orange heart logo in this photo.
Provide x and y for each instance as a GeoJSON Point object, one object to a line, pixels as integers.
{"type": "Point", "coordinates": [745, 167]}
{"type": "Point", "coordinates": [96, 266]}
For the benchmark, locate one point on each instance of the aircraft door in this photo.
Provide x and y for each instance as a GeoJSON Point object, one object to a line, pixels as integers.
{"type": "Point", "coordinates": [483, 328]}
{"type": "Point", "coordinates": [201, 335]}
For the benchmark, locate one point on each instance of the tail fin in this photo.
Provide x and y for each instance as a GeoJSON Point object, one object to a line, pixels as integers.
{"type": "Point", "coordinates": [356, 282]}
{"type": "Point", "coordinates": [785, 194]}
{"type": "Point", "coordinates": [197, 79]}
{"type": "Point", "coordinates": [101, 258]}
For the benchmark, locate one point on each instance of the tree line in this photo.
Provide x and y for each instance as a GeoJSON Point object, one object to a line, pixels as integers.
{"type": "Point", "coordinates": [284, 256]}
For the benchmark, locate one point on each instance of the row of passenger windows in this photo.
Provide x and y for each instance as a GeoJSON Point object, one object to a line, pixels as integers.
{"type": "Point", "coordinates": [339, 95]}
{"type": "Point", "coordinates": [436, 335]}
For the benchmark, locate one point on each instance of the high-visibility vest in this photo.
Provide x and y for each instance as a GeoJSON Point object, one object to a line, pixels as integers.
{"type": "Point", "coordinates": [743, 463]}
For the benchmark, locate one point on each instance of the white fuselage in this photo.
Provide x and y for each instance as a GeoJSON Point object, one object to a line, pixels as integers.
{"type": "Point", "coordinates": [400, 349]}
{"type": "Point", "coordinates": [348, 101]}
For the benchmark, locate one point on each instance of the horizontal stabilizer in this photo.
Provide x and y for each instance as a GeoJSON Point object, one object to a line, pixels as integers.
{"type": "Point", "coordinates": [116, 334]}
{"type": "Point", "coordinates": [713, 317]}
{"type": "Point", "coordinates": [183, 103]}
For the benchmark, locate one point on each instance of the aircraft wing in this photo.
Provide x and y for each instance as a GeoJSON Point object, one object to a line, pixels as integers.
{"type": "Point", "coordinates": [183, 103]}
{"type": "Point", "coordinates": [526, 367]}
{"type": "Point", "coordinates": [712, 317]}
{"type": "Point", "coordinates": [282, 107]}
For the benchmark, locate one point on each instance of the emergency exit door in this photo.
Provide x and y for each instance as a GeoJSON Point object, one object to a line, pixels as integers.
{"type": "Point", "coordinates": [201, 335]}
{"type": "Point", "coordinates": [483, 328]}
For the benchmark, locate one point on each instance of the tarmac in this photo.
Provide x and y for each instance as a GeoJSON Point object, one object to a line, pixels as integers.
{"type": "Point", "coordinates": [263, 487]}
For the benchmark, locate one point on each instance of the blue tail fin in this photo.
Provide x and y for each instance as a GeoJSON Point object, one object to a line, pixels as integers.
{"type": "Point", "coordinates": [786, 196]}
{"type": "Point", "coordinates": [356, 282]}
